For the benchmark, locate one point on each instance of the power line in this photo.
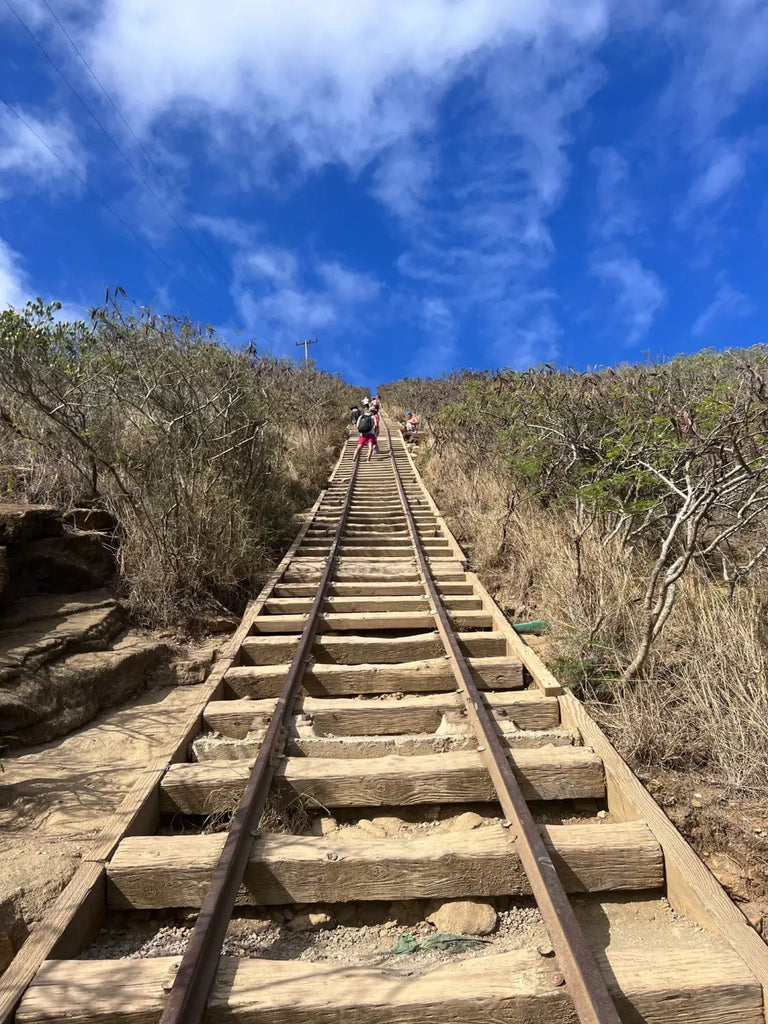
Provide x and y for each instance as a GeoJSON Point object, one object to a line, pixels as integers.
{"type": "Point", "coordinates": [114, 142]}
{"type": "Point", "coordinates": [169, 185]}
{"type": "Point", "coordinates": [95, 194]}
{"type": "Point", "coordinates": [275, 323]}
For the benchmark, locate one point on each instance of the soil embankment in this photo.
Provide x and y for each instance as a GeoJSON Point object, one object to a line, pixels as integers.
{"type": "Point", "coordinates": [68, 657]}
{"type": "Point", "coordinates": [55, 797]}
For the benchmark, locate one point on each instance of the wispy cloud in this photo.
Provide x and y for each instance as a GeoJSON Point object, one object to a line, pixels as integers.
{"type": "Point", "coordinates": [27, 157]}
{"type": "Point", "coordinates": [17, 289]}
{"type": "Point", "coordinates": [439, 353]}
{"type": "Point", "coordinates": [728, 304]}
{"type": "Point", "coordinates": [721, 173]}
{"type": "Point", "coordinates": [720, 54]}
{"type": "Point", "coordinates": [14, 281]}
{"type": "Point", "coordinates": [287, 298]}
{"type": "Point", "coordinates": [638, 292]}
{"type": "Point", "coordinates": [725, 170]}
{"type": "Point", "coordinates": [618, 212]}
{"type": "Point", "coordinates": [479, 239]}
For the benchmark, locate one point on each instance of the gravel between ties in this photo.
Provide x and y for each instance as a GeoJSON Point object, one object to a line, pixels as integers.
{"type": "Point", "coordinates": [271, 938]}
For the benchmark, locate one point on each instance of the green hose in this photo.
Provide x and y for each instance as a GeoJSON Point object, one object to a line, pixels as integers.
{"type": "Point", "coordinates": [535, 627]}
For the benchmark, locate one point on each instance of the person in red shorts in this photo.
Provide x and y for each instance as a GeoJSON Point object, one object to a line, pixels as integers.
{"type": "Point", "coordinates": [366, 429]}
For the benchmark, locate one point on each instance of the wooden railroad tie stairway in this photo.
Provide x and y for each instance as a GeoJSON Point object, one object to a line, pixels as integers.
{"type": "Point", "coordinates": [379, 730]}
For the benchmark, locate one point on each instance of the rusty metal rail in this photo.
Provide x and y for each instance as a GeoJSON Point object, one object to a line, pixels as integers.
{"type": "Point", "coordinates": [192, 985]}
{"type": "Point", "coordinates": [585, 984]}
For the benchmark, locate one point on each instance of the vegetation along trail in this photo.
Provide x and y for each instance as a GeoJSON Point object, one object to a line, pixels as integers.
{"type": "Point", "coordinates": [413, 776]}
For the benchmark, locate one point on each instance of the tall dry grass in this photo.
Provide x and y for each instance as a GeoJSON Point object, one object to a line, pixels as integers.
{"type": "Point", "coordinates": [703, 702]}
{"type": "Point", "coordinates": [201, 454]}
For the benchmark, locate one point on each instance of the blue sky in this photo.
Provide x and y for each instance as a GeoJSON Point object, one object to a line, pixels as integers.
{"type": "Point", "coordinates": [420, 184]}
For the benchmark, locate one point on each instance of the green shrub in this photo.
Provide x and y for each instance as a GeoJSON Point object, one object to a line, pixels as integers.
{"type": "Point", "coordinates": [201, 453]}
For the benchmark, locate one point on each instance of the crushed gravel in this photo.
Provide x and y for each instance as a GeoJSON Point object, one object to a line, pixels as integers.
{"type": "Point", "coordinates": [370, 940]}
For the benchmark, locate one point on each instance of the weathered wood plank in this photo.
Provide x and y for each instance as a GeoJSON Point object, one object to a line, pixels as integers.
{"type": "Point", "coordinates": [423, 676]}
{"type": "Point", "coordinates": [364, 650]}
{"type": "Point", "coordinates": [550, 773]}
{"type": "Point", "coordinates": [163, 871]}
{"type": "Point", "coordinates": [366, 602]}
{"type": "Point", "coordinates": [657, 984]}
{"type": "Point", "coordinates": [409, 714]}
{"type": "Point", "coordinates": [375, 621]}
{"type": "Point", "coordinates": [353, 570]}
{"type": "Point", "coordinates": [303, 742]}
{"type": "Point", "coordinates": [375, 588]}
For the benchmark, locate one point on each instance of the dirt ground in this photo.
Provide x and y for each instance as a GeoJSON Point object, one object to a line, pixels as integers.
{"type": "Point", "coordinates": [729, 832]}
{"type": "Point", "coordinates": [54, 797]}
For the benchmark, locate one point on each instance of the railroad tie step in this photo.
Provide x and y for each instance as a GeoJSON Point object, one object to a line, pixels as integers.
{"type": "Point", "coordinates": [426, 675]}
{"type": "Point", "coordinates": [413, 713]}
{"type": "Point", "coordinates": [552, 773]}
{"type": "Point", "coordinates": [365, 602]}
{"type": "Point", "coordinates": [304, 742]}
{"type": "Point", "coordinates": [157, 872]}
{"type": "Point", "coordinates": [358, 650]}
{"type": "Point", "coordinates": [374, 621]}
{"type": "Point", "coordinates": [660, 984]}
{"type": "Point", "coordinates": [373, 588]}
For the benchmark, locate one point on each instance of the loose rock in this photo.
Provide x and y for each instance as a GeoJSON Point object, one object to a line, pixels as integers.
{"type": "Point", "coordinates": [389, 825]}
{"type": "Point", "coordinates": [464, 917]}
{"type": "Point", "coordinates": [371, 828]}
{"type": "Point", "coordinates": [465, 822]}
{"type": "Point", "coordinates": [324, 826]}
{"type": "Point", "coordinates": [310, 922]}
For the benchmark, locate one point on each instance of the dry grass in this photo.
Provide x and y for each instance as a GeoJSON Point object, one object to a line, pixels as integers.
{"type": "Point", "coordinates": [201, 454]}
{"type": "Point", "coordinates": [703, 703]}
{"type": "Point", "coordinates": [285, 815]}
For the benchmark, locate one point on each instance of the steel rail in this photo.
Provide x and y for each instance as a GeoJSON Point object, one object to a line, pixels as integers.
{"type": "Point", "coordinates": [585, 984]}
{"type": "Point", "coordinates": [191, 987]}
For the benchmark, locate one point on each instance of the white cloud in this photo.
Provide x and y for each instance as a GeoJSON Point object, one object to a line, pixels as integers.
{"type": "Point", "coordinates": [25, 158]}
{"type": "Point", "coordinates": [725, 170]}
{"type": "Point", "coordinates": [15, 289]}
{"type": "Point", "coordinates": [403, 178]}
{"type": "Point", "coordinates": [727, 304]}
{"type": "Point", "coordinates": [284, 299]}
{"type": "Point", "coordinates": [349, 286]}
{"type": "Point", "coordinates": [720, 50]}
{"type": "Point", "coordinates": [617, 210]}
{"type": "Point", "coordinates": [340, 80]}
{"type": "Point", "coordinates": [639, 293]}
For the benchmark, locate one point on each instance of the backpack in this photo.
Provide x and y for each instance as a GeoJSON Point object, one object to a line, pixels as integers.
{"type": "Point", "coordinates": [365, 423]}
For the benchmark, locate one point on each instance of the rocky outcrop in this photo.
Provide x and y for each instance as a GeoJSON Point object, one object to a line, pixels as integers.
{"type": "Point", "coordinates": [65, 654]}
{"type": "Point", "coordinates": [36, 632]}
{"type": "Point", "coordinates": [22, 523]}
{"type": "Point", "coordinates": [59, 565]}
{"type": "Point", "coordinates": [90, 519]}
{"type": "Point", "coordinates": [74, 689]}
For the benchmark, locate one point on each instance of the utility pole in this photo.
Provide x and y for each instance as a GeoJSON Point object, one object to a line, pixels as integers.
{"type": "Point", "coordinates": [306, 343]}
